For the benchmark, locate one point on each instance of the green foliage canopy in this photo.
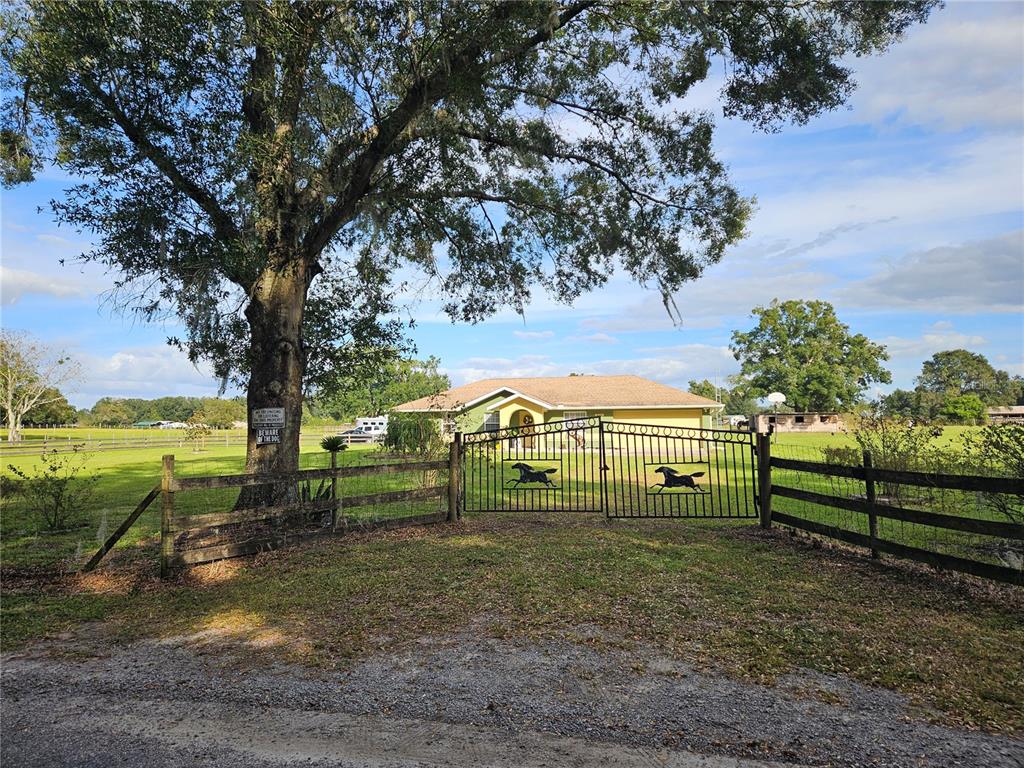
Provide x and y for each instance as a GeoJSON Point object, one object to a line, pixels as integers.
{"type": "Point", "coordinates": [963, 409]}
{"type": "Point", "coordinates": [267, 170]}
{"type": "Point", "coordinates": [800, 348]}
{"type": "Point", "coordinates": [960, 372]}
{"type": "Point", "coordinates": [376, 393]}
{"type": "Point", "coordinates": [736, 400]}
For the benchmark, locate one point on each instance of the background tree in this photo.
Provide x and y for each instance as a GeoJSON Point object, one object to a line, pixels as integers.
{"type": "Point", "coordinates": [219, 413]}
{"type": "Point", "coordinates": [960, 372]}
{"type": "Point", "coordinates": [963, 409]}
{"type": "Point", "coordinates": [736, 399]}
{"type": "Point", "coordinates": [703, 388]}
{"type": "Point", "coordinates": [30, 376]}
{"type": "Point", "coordinates": [177, 408]}
{"type": "Point", "coordinates": [800, 348]}
{"type": "Point", "coordinates": [263, 169]}
{"type": "Point", "coordinates": [907, 405]}
{"type": "Point", "coordinates": [53, 408]}
{"type": "Point", "coordinates": [112, 412]}
{"type": "Point", "coordinates": [396, 383]}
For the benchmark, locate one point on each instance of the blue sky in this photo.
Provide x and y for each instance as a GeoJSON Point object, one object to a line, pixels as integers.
{"type": "Point", "coordinates": [906, 210]}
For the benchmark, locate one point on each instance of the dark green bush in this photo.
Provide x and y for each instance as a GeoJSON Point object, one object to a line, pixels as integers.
{"type": "Point", "coordinates": [333, 443]}
{"type": "Point", "coordinates": [54, 491]}
{"type": "Point", "coordinates": [413, 433]}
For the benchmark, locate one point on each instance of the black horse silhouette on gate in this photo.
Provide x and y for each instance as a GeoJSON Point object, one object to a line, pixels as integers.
{"type": "Point", "coordinates": [528, 474]}
{"type": "Point", "coordinates": [673, 479]}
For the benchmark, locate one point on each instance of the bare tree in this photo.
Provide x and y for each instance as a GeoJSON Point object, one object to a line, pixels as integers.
{"type": "Point", "coordinates": [30, 374]}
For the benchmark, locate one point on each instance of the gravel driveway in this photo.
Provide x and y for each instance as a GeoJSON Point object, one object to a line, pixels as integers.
{"type": "Point", "coordinates": [456, 701]}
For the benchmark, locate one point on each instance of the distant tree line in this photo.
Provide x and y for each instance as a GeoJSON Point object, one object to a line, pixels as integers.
{"type": "Point", "coordinates": [957, 387]}
{"type": "Point", "coordinates": [219, 413]}
{"type": "Point", "coordinates": [215, 412]}
{"type": "Point", "coordinates": [365, 395]}
{"type": "Point", "coordinates": [802, 349]}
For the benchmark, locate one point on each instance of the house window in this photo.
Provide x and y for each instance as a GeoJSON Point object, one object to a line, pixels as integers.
{"type": "Point", "coordinates": [799, 419]}
{"type": "Point", "coordinates": [493, 422]}
{"type": "Point", "coordinates": [577, 416]}
{"type": "Point", "coordinates": [771, 419]}
{"type": "Point", "coordinates": [824, 418]}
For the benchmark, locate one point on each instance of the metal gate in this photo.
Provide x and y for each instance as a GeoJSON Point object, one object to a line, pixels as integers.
{"type": "Point", "coordinates": [624, 470]}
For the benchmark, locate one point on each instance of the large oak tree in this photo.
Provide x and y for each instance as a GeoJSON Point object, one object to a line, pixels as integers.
{"type": "Point", "coordinates": [801, 349]}
{"type": "Point", "coordinates": [272, 172]}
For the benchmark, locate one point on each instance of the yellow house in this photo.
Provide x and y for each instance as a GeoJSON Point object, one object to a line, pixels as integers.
{"type": "Point", "coordinates": [493, 404]}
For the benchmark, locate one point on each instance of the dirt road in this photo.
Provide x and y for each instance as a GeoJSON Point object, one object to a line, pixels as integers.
{"type": "Point", "coordinates": [456, 701]}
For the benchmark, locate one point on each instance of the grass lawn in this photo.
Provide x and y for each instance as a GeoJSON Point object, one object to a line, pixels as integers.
{"type": "Point", "coordinates": [722, 594]}
{"type": "Point", "coordinates": [125, 477]}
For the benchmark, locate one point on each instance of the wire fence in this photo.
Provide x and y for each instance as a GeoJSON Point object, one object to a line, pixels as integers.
{"type": "Point", "coordinates": [207, 518]}
{"type": "Point", "coordinates": [961, 509]}
{"type": "Point", "coordinates": [109, 486]}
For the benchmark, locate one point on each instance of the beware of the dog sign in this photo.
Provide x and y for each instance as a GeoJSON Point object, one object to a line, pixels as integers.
{"type": "Point", "coordinates": [268, 423]}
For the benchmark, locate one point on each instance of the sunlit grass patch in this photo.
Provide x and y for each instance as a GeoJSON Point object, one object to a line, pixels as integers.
{"type": "Point", "coordinates": [720, 594]}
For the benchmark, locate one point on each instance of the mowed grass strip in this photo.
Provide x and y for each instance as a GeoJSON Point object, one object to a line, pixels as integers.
{"type": "Point", "coordinates": [718, 594]}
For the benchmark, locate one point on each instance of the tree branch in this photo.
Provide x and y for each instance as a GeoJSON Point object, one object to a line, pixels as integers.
{"type": "Point", "coordinates": [222, 223]}
{"type": "Point", "coordinates": [423, 92]}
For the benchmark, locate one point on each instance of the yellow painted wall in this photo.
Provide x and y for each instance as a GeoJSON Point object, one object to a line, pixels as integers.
{"type": "Point", "coordinates": [669, 417]}
{"type": "Point", "coordinates": [518, 404]}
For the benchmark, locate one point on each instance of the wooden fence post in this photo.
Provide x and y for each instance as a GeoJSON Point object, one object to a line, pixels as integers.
{"type": "Point", "coordinates": [334, 492]}
{"type": "Point", "coordinates": [166, 514]}
{"type": "Point", "coordinates": [764, 477]}
{"type": "Point", "coordinates": [869, 491]}
{"type": "Point", "coordinates": [454, 463]}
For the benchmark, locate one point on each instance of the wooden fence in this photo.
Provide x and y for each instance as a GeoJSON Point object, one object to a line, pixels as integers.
{"type": "Point", "coordinates": [173, 439]}
{"type": "Point", "coordinates": [277, 517]}
{"type": "Point", "coordinates": [873, 508]}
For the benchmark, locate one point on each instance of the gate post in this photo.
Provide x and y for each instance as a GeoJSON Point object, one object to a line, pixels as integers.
{"type": "Point", "coordinates": [869, 493]}
{"type": "Point", "coordinates": [454, 465]}
{"type": "Point", "coordinates": [764, 477]}
{"type": "Point", "coordinates": [166, 515]}
{"type": "Point", "coordinates": [602, 467]}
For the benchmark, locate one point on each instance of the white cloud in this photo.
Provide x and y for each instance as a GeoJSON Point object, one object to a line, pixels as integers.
{"type": "Point", "coordinates": [975, 179]}
{"type": "Point", "coordinates": [15, 283]}
{"type": "Point", "coordinates": [927, 344]}
{"type": "Point", "coordinates": [724, 291]}
{"type": "Point", "coordinates": [475, 368]}
{"type": "Point", "coordinates": [146, 372]}
{"type": "Point", "coordinates": [58, 241]}
{"type": "Point", "coordinates": [533, 335]}
{"type": "Point", "coordinates": [952, 72]}
{"type": "Point", "coordinates": [674, 365]}
{"type": "Point", "coordinates": [595, 338]}
{"type": "Point", "coordinates": [983, 275]}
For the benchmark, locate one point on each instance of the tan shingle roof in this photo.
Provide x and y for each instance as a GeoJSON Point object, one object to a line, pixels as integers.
{"type": "Point", "coordinates": [566, 392]}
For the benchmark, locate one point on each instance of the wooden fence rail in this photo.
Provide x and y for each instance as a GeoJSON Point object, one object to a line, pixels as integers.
{"type": "Point", "coordinates": [920, 479]}
{"type": "Point", "coordinates": [173, 524]}
{"type": "Point", "coordinates": [870, 506]}
{"type": "Point", "coordinates": [66, 444]}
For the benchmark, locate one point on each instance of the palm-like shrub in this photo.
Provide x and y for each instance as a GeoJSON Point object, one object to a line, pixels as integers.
{"type": "Point", "coordinates": [333, 443]}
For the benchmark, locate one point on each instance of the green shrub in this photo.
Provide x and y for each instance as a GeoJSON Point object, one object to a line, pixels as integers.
{"type": "Point", "coordinates": [898, 445]}
{"type": "Point", "coordinates": [415, 433]}
{"type": "Point", "coordinates": [999, 450]}
{"type": "Point", "coordinates": [843, 455]}
{"type": "Point", "coordinates": [53, 491]}
{"type": "Point", "coordinates": [333, 443]}
{"type": "Point", "coordinates": [963, 409]}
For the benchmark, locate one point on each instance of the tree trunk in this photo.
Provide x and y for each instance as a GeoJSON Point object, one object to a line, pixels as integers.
{"type": "Point", "coordinates": [13, 427]}
{"type": "Point", "coordinates": [277, 359]}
